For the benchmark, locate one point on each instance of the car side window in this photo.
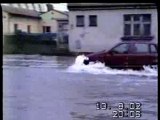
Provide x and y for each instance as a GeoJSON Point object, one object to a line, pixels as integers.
{"type": "Point", "coordinates": [139, 48]}
{"type": "Point", "coordinates": [153, 48]}
{"type": "Point", "coordinates": [122, 48]}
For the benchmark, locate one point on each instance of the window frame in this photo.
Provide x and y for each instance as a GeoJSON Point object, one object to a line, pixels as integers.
{"type": "Point", "coordinates": [83, 19]}
{"type": "Point", "coordinates": [95, 24]}
{"type": "Point", "coordinates": [48, 29]}
{"type": "Point", "coordinates": [45, 29]}
{"type": "Point", "coordinates": [133, 22]}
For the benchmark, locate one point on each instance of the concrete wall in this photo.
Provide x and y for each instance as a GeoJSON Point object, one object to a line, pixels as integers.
{"type": "Point", "coordinates": [107, 33]}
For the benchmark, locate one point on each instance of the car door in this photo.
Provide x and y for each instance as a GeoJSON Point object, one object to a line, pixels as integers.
{"type": "Point", "coordinates": [139, 55]}
{"type": "Point", "coordinates": [117, 57]}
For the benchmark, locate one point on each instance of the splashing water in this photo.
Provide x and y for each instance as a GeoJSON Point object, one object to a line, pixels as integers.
{"type": "Point", "coordinates": [100, 68]}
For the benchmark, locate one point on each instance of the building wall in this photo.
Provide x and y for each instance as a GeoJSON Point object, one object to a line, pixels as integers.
{"type": "Point", "coordinates": [107, 33]}
{"type": "Point", "coordinates": [63, 26]}
{"type": "Point", "coordinates": [52, 23]}
{"type": "Point", "coordinates": [49, 19]}
{"type": "Point", "coordinates": [23, 22]}
{"type": "Point", "coordinates": [53, 14]}
{"type": "Point", "coordinates": [5, 22]}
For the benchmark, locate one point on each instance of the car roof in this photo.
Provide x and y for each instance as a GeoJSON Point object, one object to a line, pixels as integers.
{"type": "Point", "coordinates": [141, 41]}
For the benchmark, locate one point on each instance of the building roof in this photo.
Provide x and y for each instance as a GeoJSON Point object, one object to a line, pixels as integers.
{"type": "Point", "coordinates": [110, 6]}
{"type": "Point", "coordinates": [61, 12]}
{"type": "Point", "coordinates": [21, 11]}
{"type": "Point", "coordinates": [51, 15]}
{"type": "Point", "coordinates": [65, 13]}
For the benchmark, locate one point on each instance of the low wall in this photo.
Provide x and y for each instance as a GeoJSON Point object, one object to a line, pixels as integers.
{"type": "Point", "coordinates": [25, 44]}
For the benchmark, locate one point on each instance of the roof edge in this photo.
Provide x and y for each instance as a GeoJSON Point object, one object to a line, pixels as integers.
{"type": "Point", "coordinates": [110, 6]}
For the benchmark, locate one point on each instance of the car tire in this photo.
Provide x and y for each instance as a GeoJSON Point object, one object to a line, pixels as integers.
{"type": "Point", "coordinates": [105, 63]}
{"type": "Point", "coordinates": [86, 62]}
{"type": "Point", "coordinates": [153, 66]}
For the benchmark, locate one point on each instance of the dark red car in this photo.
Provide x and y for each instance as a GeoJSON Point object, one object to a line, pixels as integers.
{"type": "Point", "coordinates": [131, 54]}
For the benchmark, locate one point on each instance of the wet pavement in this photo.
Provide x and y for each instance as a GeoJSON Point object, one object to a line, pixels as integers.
{"type": "Point", "coordinates": [39, 87]}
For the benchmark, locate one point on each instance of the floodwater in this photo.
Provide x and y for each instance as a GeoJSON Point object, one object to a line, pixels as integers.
{"type": "Point", "coordinates": [39, 87]}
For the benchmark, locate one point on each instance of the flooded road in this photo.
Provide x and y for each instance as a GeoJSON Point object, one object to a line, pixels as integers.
{"type": "Point", "coordinates": [39, 87]}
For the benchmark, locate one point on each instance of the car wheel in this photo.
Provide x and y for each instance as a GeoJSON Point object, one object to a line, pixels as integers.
{"type": "Point", "coordinates": [86, 62]}
{"type": "Point", "coordinates": [153, 66]}
{"type": "Point", "coordinates": [105, 64]}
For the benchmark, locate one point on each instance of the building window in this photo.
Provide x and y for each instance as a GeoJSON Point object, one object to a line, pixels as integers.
{"type": "Point", "coordinates": [15, 27]}
{"type": "Point", "coordinates": [46, 29]}
{"type": "Point", "coordinates": [80, 20]}
{"type": "Point", "coordinates": [92, 20]}
{"type": "Point", "coordinates": [28, 28]}
{"type": "Point", "coordinates": [137, 25]}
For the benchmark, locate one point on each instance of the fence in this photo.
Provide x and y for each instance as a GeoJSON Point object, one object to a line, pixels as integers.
{"type": "Point", "coordinates": [32, 43]}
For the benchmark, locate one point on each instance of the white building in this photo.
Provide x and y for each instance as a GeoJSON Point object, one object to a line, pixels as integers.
{"type": "Point", "coordinates": [98, 26]}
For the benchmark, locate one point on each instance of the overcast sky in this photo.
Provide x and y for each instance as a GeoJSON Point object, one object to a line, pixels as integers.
{"type": "Point", "coordinates": [61, 6]}
{"type": "Point", "coordinates": [58, 6]}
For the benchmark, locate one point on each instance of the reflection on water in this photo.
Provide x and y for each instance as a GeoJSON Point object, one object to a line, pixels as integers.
{"type": "Point", "coordinates": [36, 61]}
